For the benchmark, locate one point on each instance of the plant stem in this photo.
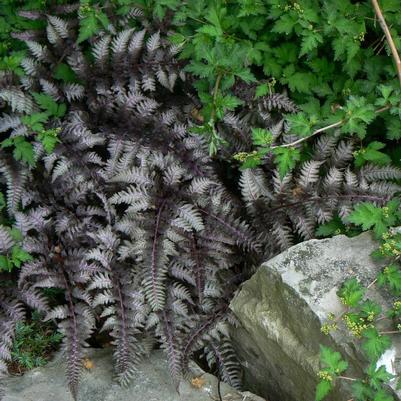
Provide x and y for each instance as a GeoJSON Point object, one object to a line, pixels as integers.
{"type": "Point", "coordinates": [372, 283]}
{"type": "Point", "coordinates": [323, 129]}
{"type": "Point", "coordinates": [216, 87]}
{"type": "Point", "coordinates": [214, 94]}
{"type": "Point", "coordinates": [389, 38]}
{"type": "Point", "coordinates": [318, 131]}
{"type": "Point", "coordinates": [390, 332]}
{"type": "Point", "coordinates": [347, 378]}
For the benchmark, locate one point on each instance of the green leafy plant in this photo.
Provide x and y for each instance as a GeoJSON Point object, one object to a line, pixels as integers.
{"type": "Point", "coordinates": [33, 343]}
{"type": "Point", "coordinates": [364, 317]}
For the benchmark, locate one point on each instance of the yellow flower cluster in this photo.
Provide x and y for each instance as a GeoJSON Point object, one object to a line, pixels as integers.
{"type": "Point", "coordinates": [323, 375]}
{"type": "Point", "coordinates": [327, 328]}
{"type": "Point", "coordinates": [356, 328]}
{"type": "Point", "coordinates": [371, 316]}
{"type": "Point", "coordinates": [390, 247]}
{"type": "Point", "coordinates": [242, 156]}
{"type": "Point", "coordinates": [84, 9]}
{"type": "Point", "coordinates": [295, 6]}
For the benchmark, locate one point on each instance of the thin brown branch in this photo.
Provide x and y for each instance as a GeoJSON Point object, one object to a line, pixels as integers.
{"type": "Point", "coordinates": [323, 129]}
{"type": "Point", "coordinates": [389, 38]}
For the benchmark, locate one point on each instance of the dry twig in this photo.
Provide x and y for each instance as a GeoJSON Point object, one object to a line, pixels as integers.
{"type": "Point", "coordinates": [389, 38]}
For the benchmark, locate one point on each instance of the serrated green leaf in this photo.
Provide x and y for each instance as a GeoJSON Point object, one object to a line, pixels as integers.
{"type": "Point", "coordinates": [369, 216]}
{"type": "Point", "coordinates": [286, 159]}
{"type": "Point", "coordinates": [310, 42]}
{"type": "Point", "coordinates": [262, 90]}
{"type": "Point", "coordinates": [300, 124]}
{"type": "Point", "coordinates": [351, 292]}
{"type": "Point", "coordinates": [5, 264]}
{"type": "Point", "coordinates": [88, 26]}
{"type": "Point", "coordinates": [374, 344]}
{"type": "Point", "coordinates": [63, 72]}
{"type": "Point", "coordinates": [49, 140]}
{"type": "Point", "coordinates": [358, 115]}
{"type": "Point", "coordinates": [104, 19]}
{"type": "Point", "coordinates": [23, 151]}
{"type": "Point", "coordinates": [378, 376]}
{"type": "Point", "coordinates": [383, 395]}
{"type": "Point", "coordinates": [333, 227]}
{"type": "Point", "coordinates": [372, 154]}
{"type": "Point", "coordinates": [391, 276]}
{"type": "Point", "coordinates": [16, 234]}
{"type": "Point", "coordinates": [246, 76]}
{"type": "Point", "coordinates": [261, 137]}
{"type": "Point", "coordinates": [332, 360]}
{"type": "Point", "coordinates": [2, 201]}
{"type": "Point", "coordinates": [323, 389]}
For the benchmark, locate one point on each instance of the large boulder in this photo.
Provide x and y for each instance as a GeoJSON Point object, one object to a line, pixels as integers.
{"type": "Point", "coordinates": [281, 310]}
{"type": "Point", "coordinates": [151, 383]}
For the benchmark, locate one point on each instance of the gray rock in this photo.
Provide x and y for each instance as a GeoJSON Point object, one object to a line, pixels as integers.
{"type": "Point", "coordinates": [152, 383]}
{"type": "Point", "coordinates": [281, 309]}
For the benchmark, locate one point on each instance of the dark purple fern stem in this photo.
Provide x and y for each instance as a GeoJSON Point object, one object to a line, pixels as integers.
{"type": "Point", "coordinates": [199, 270]}
{"type": "Point", "coordinates": [154, 245]}
{"type": "Point", "coordinates": [316, 199]}
{"type": "Point", "coordinates": [74, 347]}
{"type": "Point", "coordinates": [237, 232]}
{"type": "Point", "coordinates": [124, 337]}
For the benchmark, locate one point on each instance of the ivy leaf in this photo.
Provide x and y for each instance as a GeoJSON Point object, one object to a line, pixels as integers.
{"type": "Point", "coordinates": [286, 159]}
{"type": "Point", "coordinates": [323, 388]}
{"type": "Point", "coordinates": [351, 292]}
{"type": "Point", "coordinates": [374, 344]}
{"type": "Point", "coordinates": [88, 26]}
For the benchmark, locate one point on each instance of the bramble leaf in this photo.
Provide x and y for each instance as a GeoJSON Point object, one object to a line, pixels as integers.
{"type": "Point", "coordinates": [323, 389]}
{"type": "Point", "coordinates": [351, 292]}
{"type": "Point", "coordinates": [286, 159]}
{"type": "Point", "coordinates": [261, 137]}
{"type": "Point", "coordinates": [374, 344]}
{"type": "Point", "coordinates": [88, 27]}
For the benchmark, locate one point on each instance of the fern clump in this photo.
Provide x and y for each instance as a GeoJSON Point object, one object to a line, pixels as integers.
{"type": "Point", "coordinates": [122, 208]}
{"type": "Point", "coordinates": [127, 215]}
